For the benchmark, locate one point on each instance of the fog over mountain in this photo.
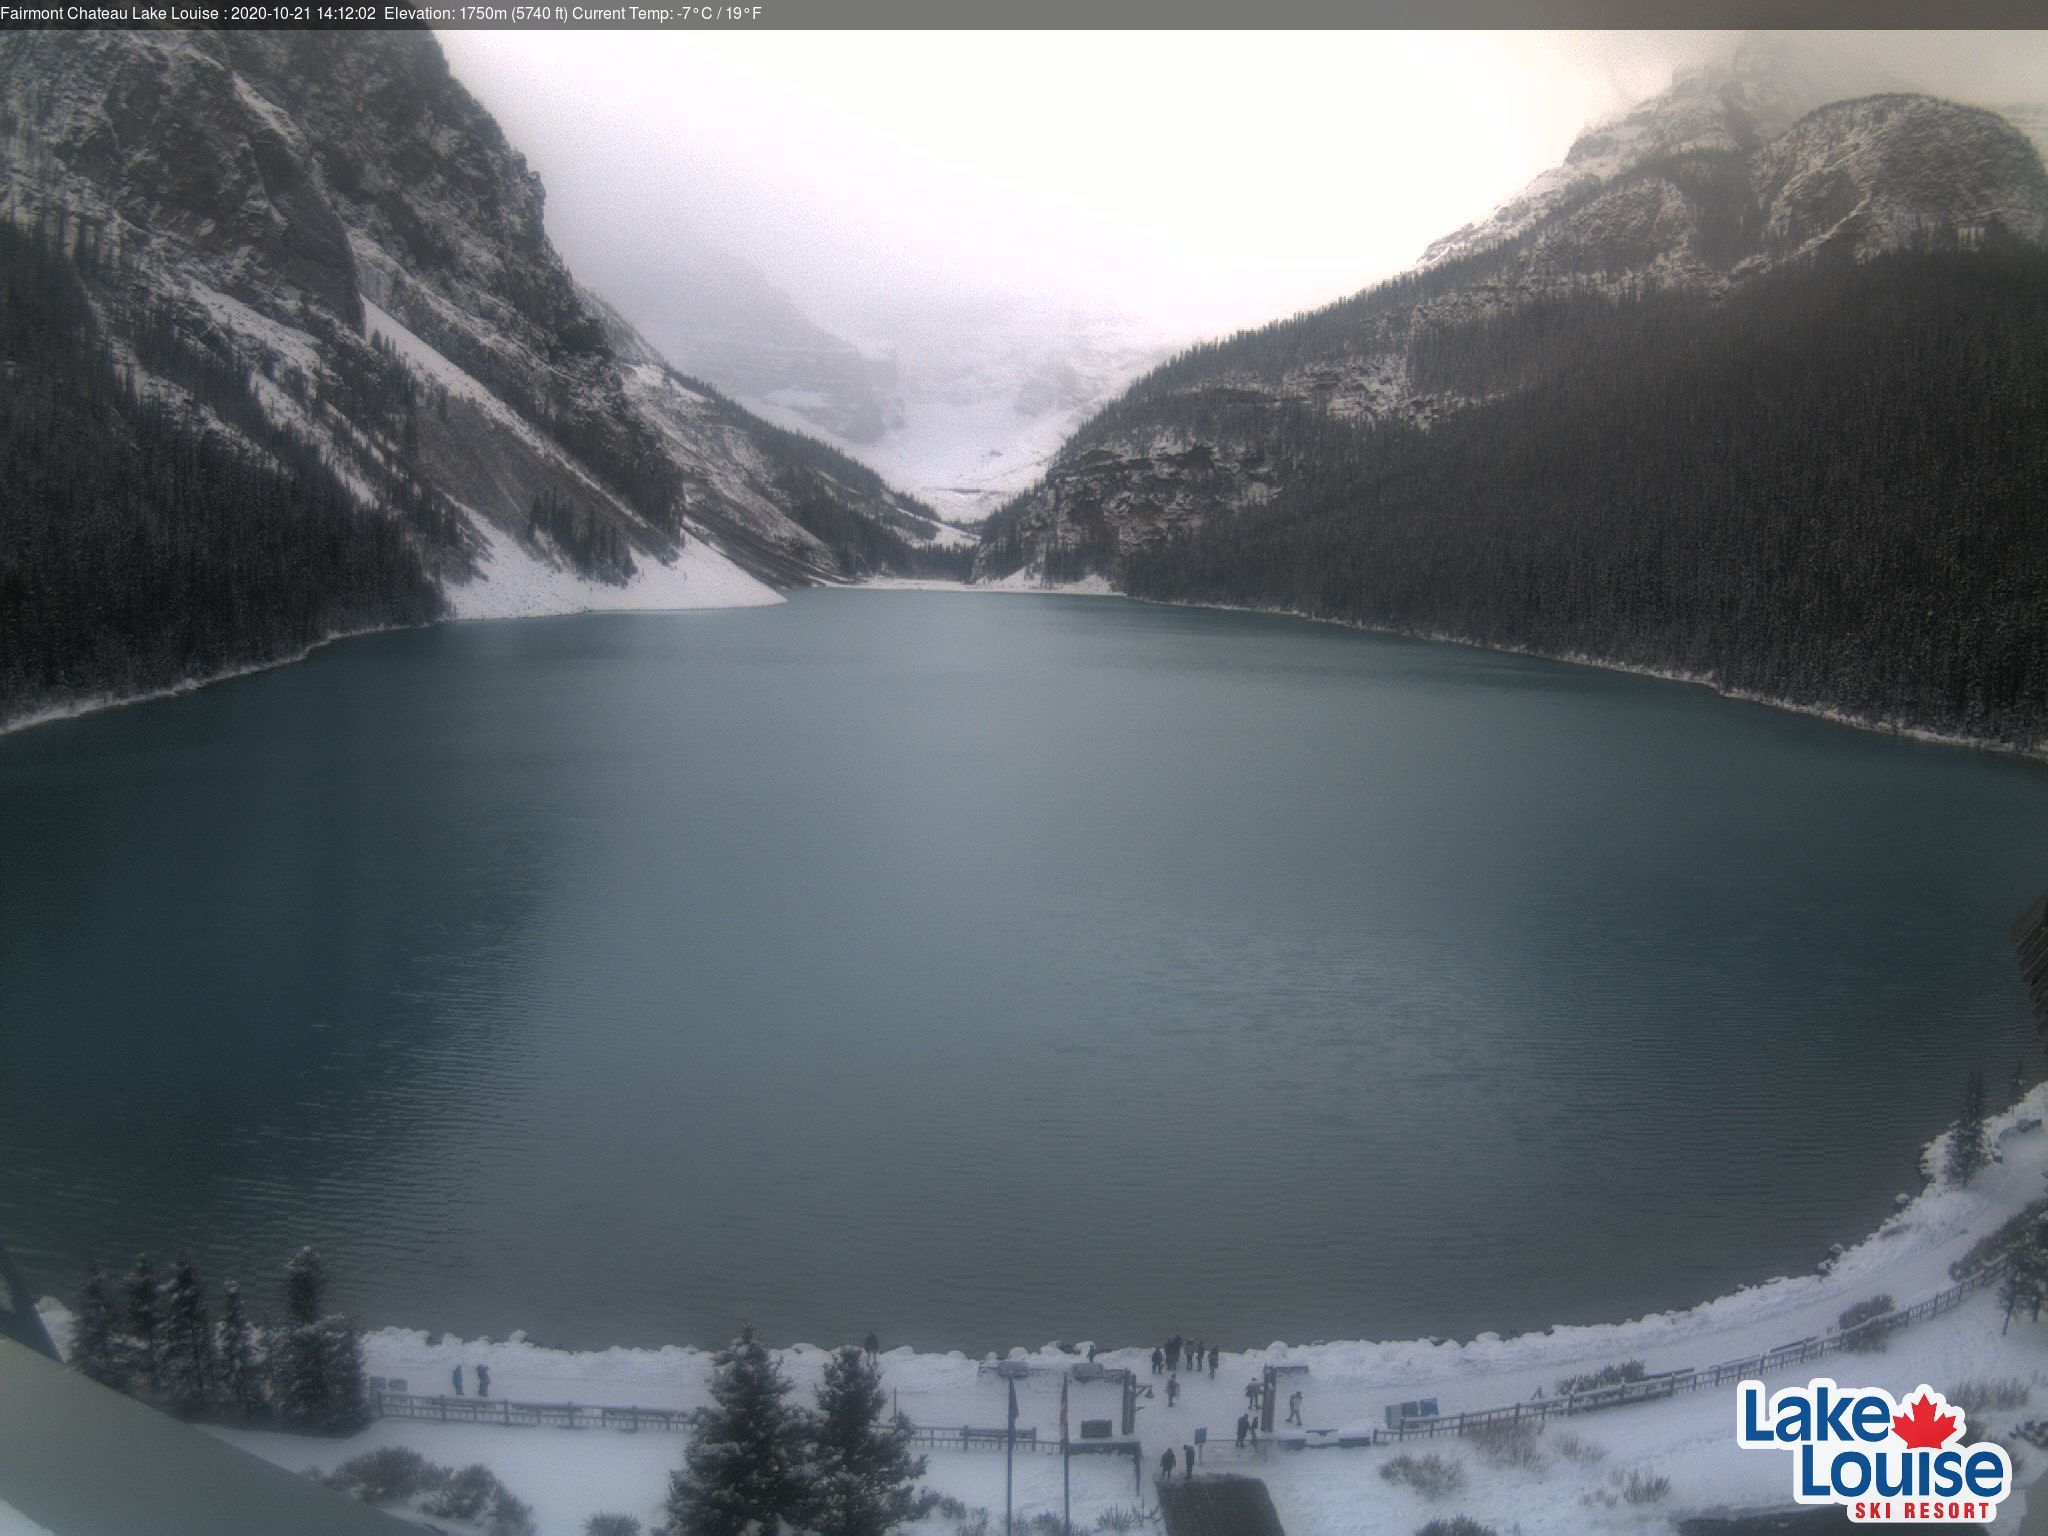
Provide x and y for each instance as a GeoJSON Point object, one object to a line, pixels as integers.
{"type": "Point", "coordinates": [941, 251]}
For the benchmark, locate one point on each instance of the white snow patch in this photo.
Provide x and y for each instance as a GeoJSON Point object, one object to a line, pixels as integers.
{"type": "Point", "coordinates": [515, 583]}
{"type": "Point", "coordinates": [14, 1523]}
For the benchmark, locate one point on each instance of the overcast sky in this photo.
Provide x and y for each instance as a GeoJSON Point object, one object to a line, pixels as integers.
{"type": "Point", "coordinates": [1204, 181]}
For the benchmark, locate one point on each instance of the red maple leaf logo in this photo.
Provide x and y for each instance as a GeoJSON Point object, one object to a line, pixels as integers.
{"type": "Point", "coordinates": [1923, 1427]}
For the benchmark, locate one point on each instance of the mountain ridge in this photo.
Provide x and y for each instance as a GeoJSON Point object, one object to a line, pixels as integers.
{"type": "Point", "coordinates": [1275, 445]}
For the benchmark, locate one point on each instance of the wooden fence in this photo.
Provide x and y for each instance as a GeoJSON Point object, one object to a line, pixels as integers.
{"type": "Point", "coordinates": [1671, 1383]}
{"type": "Point", "coordinates": [498, 1410]}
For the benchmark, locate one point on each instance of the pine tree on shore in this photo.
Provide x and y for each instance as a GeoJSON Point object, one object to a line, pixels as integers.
{"type": "Point", "coordinates": [143, 1316]}
{"type": "Point", "coordinates": [745, 1466]}
{"type": "Point", "coordinates": [95, 1350]}
{"type": "Point", "coordinates": [864, 1478]}
{"type": "Point", "coordinates": [1966, 1154]}
{"type": "Point", "coordinates": [305, 1282]}
{"type": "Point", "coordinates": [316, 1360]}
{"type": "Point", "coordinates": [346, 1406]}
{"type": "Point", "coordinates": [241, 1385]}
{"type": "Point", "coordinates": [187, 1351]}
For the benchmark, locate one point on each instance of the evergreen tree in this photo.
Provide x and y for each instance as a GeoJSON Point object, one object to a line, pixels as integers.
{"type": "Point", "coordinates": [745, 1465]}
{"type": "Point", "coordinates": [298, 1375]}
{"type": "Point", "coordinates": [2026, 1275]}
{"type": "Point", "coordinates": [305, 1282]}
{"type": "Point", "coordinates": [863, 1475]}
{"type": "Point", "coordinates": [187, 1349]}
{"type": "Point", "coordinates": [316, 1362]}
{"type": "Point", "coordinates": [95, 1349]}
{"type": "Point", "coordinates": [1966, 1152]}
{"type": "Point", "coordinates": [241, 1387]}
{"type": "Point", "coordinates": [341, 1366]}
{"type": "Point", "coordinates": [142, 1319]}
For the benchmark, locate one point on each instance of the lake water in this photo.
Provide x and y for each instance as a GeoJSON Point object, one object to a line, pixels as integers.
{"type": "Point", "coordinates": [986, 970]}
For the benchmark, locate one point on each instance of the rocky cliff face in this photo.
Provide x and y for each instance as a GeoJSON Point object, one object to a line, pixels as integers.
{"type": "Point", "coordinates": [337, 217]}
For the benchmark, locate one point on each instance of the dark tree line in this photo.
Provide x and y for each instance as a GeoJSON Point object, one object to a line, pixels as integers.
{"type": "Point", "coordinates": [141, 545]}
{"type": "Point", "coordinates": [155, 1339]}
{"type": "Point", "coordinates": [1824, 489]}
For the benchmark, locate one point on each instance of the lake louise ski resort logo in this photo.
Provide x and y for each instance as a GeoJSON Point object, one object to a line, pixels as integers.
{"type": "Point", "coordinates": [1882, 1459]}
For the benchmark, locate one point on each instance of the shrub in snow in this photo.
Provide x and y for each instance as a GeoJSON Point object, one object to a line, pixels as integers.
{"type": "Point", "coordinates": [1637, 1487]}
{"type": "Point", "coordinates": [747, 1463]}
{"type": "Point", "coordinates": [1432, 1476]}
{"type": "Point", "coordinates": [1457, 1525]}
{"type": "Point", "coordinates": [611, 1525]}
{"type": "Point", "coordinates": [1118, 1517]}
{"type": "Point", "coordinates": [1512, 1444]}
{"type": "Point", "coordinates": [387, 1476]}
{"type": "Point", "coordinates": [2002, 1395]}
{"type": "Point", "coordinates": [475, 1494]}
{"type": "Point", "coordinates": [1860, 1322]}
{"type": "Point", "coordinates": [396, 1476]}
{"type": "Point", "coordinates": [1577, 1447]}
{"type": "Point", "coordinates": [1620, 1373]}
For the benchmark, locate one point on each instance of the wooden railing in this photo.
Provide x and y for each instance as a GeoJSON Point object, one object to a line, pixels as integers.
{"type": "Point", "coordinates": [1671, 1383]}
{"type": "Point", "coordinates": [498, 1410]}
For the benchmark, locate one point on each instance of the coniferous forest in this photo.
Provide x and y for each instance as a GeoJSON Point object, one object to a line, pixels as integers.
{"type": "Point", "coordinates": [1826, 488]}
{"type": "Point", "coordinates": [151, 535]}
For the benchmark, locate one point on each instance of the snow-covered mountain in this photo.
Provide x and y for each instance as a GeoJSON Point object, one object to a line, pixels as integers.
{"type": "Point", "coordinates": [334, 234]}
{"type": "Point", "coordinates": [1435, 453]}
{"type": "Point", "coordinates": [989, 388]}
{"type": "Point", "coordinates": [961, 401]}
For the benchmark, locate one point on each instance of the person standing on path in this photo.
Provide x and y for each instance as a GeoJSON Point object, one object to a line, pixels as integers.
{"type": "Point", "coordinates": [1243, 1427]}
{"type": "Point", "coordinates": [1215, 1359]}
{"type": "Point", "coordinates": [1172, 1390]}
{"type": "Point", "coordinates": [456, 1377]}
{"type": "Point", "coordinates": [1294, 1409]}
{"type": "Point", "coordinates": [483, 1381]}
{"type": "Point", "coordinates": [1187, 1456]}
{"type": "Point", "coordinates": [1158, 1362]}
{"type": "Point", "coordinates": [1166, 1465]}
{"type": "Point", "coordinates": [1173, 1353]}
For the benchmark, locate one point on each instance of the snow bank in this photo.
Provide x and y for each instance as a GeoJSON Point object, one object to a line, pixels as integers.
{"type": "Point", "coordinates": [514, 583]}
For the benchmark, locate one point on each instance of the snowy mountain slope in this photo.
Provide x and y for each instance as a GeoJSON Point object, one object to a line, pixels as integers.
{"type": "Point", "coordinates": [334, 234]}
{"type": "Point", "coordinates": [1312, 465]}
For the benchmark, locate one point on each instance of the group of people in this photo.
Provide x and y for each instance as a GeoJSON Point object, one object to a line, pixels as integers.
{"type": "Point", "coordinates": [483, 1380]}
{"type": "Point", "coordinates": [1167, 1357]}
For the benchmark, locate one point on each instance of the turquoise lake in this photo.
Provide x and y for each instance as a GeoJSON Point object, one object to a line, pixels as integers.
{"type": "Point", "coordinates": [986, 970]}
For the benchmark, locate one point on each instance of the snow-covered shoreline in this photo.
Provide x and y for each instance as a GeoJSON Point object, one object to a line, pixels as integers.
{"type": "Point", "coordinates": [1567, 1487]}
